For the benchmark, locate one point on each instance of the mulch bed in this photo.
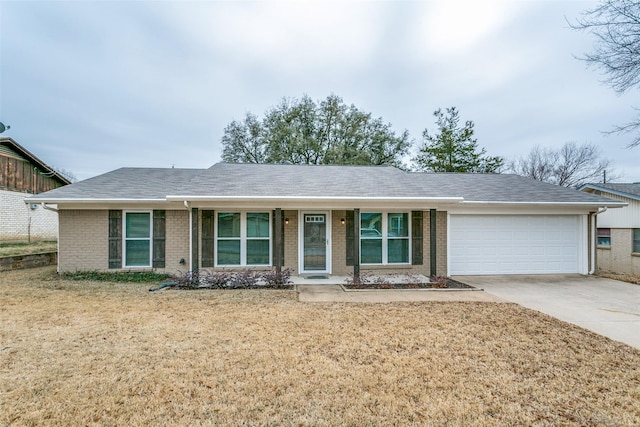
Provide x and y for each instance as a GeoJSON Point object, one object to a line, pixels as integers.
{"type": "Point", "coordinates": [171, 285]}
{"type": "Point", "coordinates": [450, 284]}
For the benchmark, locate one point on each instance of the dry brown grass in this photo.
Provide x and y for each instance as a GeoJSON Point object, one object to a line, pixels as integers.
{"type": "Point", "coordinates": [89, 353]}
{"type": "Point", "coordinates": [11, 249]}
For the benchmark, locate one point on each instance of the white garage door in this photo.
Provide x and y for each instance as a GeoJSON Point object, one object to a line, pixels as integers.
{"type": "Point", "coordinates": [514, 244]}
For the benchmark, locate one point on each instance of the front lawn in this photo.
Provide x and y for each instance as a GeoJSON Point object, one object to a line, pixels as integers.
{"type": "Point", "coordinates": [104, 353]}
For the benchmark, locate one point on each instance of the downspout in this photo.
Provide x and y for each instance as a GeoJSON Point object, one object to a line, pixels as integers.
{"type": "Point", "coordinates": [594, 239]}
{"type": "Point", "coordinates": [49, 208]}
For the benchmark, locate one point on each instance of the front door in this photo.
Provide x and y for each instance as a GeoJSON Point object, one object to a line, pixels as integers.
{"type": "Point", "coordinates": [315, 243]}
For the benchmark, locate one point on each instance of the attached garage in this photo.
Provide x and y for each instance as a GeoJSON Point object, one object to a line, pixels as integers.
{"type": "Point", "coordinates": [516, 244]}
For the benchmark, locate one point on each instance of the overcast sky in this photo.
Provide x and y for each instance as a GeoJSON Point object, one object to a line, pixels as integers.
{"type": "Point", "coordinates": [91, 86]}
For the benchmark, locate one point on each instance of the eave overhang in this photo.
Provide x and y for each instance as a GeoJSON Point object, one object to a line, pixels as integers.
{"type": "Point", "coordinates": [304, 202]}
{"type": "Point", "coordinates": [609, 190]}
{"type": "Point", "coordinates": [57, 201]}
{"type": "Point", "coordinates": [612, 204]}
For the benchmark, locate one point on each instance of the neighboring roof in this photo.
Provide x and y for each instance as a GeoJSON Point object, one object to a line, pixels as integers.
{"type": "Point", "coordinates": [12, 149]}
{"type": "Point", "coordinates": [630, 190]}
{"type": "Point", "coordinates": [227, 181]}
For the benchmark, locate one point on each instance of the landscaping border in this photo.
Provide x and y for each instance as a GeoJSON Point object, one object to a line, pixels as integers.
{"type": "Point", "coordinates": [19, 262]}
{"type": "Point", "coordinates": [373, 289]}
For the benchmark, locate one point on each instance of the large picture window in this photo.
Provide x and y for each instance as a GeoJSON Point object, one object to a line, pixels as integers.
{"type": "Point", "coordinates": [243, 238]}
{"type": "Point", "coordinates": [384, 238]}
{"type": "Point", "coordinates": [137, 239]}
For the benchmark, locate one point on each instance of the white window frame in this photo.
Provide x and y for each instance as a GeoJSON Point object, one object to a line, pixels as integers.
{"type": "Point", "coordinates": [243, 238]}
{"type": "Point", "coordinates": [385, 237]}
{"type": "Point", "coordinates": [125, 239]}
{"type": "Point", "coordinates": [598, 236]}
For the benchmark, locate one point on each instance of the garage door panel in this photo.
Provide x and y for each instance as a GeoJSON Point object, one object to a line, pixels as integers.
{"type": "Point", "coordinates": [514, 244]}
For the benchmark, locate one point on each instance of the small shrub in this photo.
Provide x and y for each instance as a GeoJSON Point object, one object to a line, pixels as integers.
{"type": "Point", "coordinates": [216, 279]}
{"type": "Point", "coordinates": [368, 279]}
{"type": "Point", "coordinates": [273, 278]}
{"type": "Point", "coordinates": [188, 279]}
{"type": "Point", "coordinates": [380, 280]}
{"type": "Point", "coordinates": [116, 276]}
{"type": "Point", "coordinates": [244, 279]}
{"type": "Point", "coordinates": [439, 282]}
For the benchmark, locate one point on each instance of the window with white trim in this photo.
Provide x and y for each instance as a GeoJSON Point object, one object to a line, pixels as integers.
{"type": "Point", "coordinates": [604, 237]}
{"type": "Point", "coordinates": [384, 238]}
{"type": "Point", "coordinates": [137, 239]}
{"type": "Point", "coordinates": [243, 238]}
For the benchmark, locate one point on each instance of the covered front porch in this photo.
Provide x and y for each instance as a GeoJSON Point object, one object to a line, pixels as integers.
{"type": "Point", "coordinates": [319, 245]}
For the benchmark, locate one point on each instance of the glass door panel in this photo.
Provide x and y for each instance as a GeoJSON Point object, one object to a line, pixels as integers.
{"type": "Point", "coordinates": [315, 242]}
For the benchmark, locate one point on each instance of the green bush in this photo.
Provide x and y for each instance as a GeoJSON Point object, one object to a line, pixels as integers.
{"type": "Point", "coordinates": [116, 276]}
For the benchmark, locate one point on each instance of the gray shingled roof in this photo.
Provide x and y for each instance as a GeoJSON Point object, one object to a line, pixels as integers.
{"type": "Point", "coordinates": [125, 183]}
{"type": "Point", "coordinates": [502, 188]}
{"type": "Point", "coordinates": [631, 190]}
{"type": "Point", "coordinates": [266, 180]}
{"type": "Point", "coordinates": [227, 179]}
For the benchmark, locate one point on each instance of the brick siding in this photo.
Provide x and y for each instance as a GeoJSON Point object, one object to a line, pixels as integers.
{"type": "Point", "coordinates": [84, 240]}
{"type": "Point", "coordinates": [291, 241]}
{"type": "Point", "coordinates": [339, 245]}
{"type": "Point", "coordinates": [618, 259]}
{"type": "Point", "coordinates": [18, 222]}
{"type": "Point", "coordinates": [177, 242]}
{"type": "Point", "coordinates": [84, 243]}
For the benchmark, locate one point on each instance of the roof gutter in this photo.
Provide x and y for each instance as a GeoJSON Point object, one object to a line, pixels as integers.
{"type": "Point", "coordinates": [304, 198]}
{"type": "Point", "coordinates": [612, 204]}
{"type": "Point", "coordinates": [88, 201]}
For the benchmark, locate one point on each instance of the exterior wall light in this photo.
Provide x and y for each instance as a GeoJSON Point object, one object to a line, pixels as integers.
{"type": "Point", "coordinates": [342, 221]}
{"type": "Point", "coordinates": [286, 221]}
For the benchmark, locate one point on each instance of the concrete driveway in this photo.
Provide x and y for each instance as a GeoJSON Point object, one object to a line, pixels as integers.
{"type": "Point", "coordinates": [604, 306]}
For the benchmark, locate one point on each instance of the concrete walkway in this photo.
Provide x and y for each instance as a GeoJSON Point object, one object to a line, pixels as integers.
{"type": "Point", "coordinates": [335, 293]}
{"type": "Point", "coordinates": [604, 306]}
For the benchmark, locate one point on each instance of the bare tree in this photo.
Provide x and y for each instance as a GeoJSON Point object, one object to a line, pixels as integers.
{"type": "Point", "coordinates": [67, 174]}
{"type": "Point", "coordinates": [569, 166]}
{"type": "Point", "coordinates": [616, 26]}
{"type": "Point", "coordinates": [538, 164]}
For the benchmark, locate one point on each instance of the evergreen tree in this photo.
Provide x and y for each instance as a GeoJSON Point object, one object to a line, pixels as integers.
{"type": "Point", "coordinates": [453, 148]}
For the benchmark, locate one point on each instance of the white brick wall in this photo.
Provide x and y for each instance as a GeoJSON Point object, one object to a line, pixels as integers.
{"type": "Point", "coordinates": [19, 222]}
